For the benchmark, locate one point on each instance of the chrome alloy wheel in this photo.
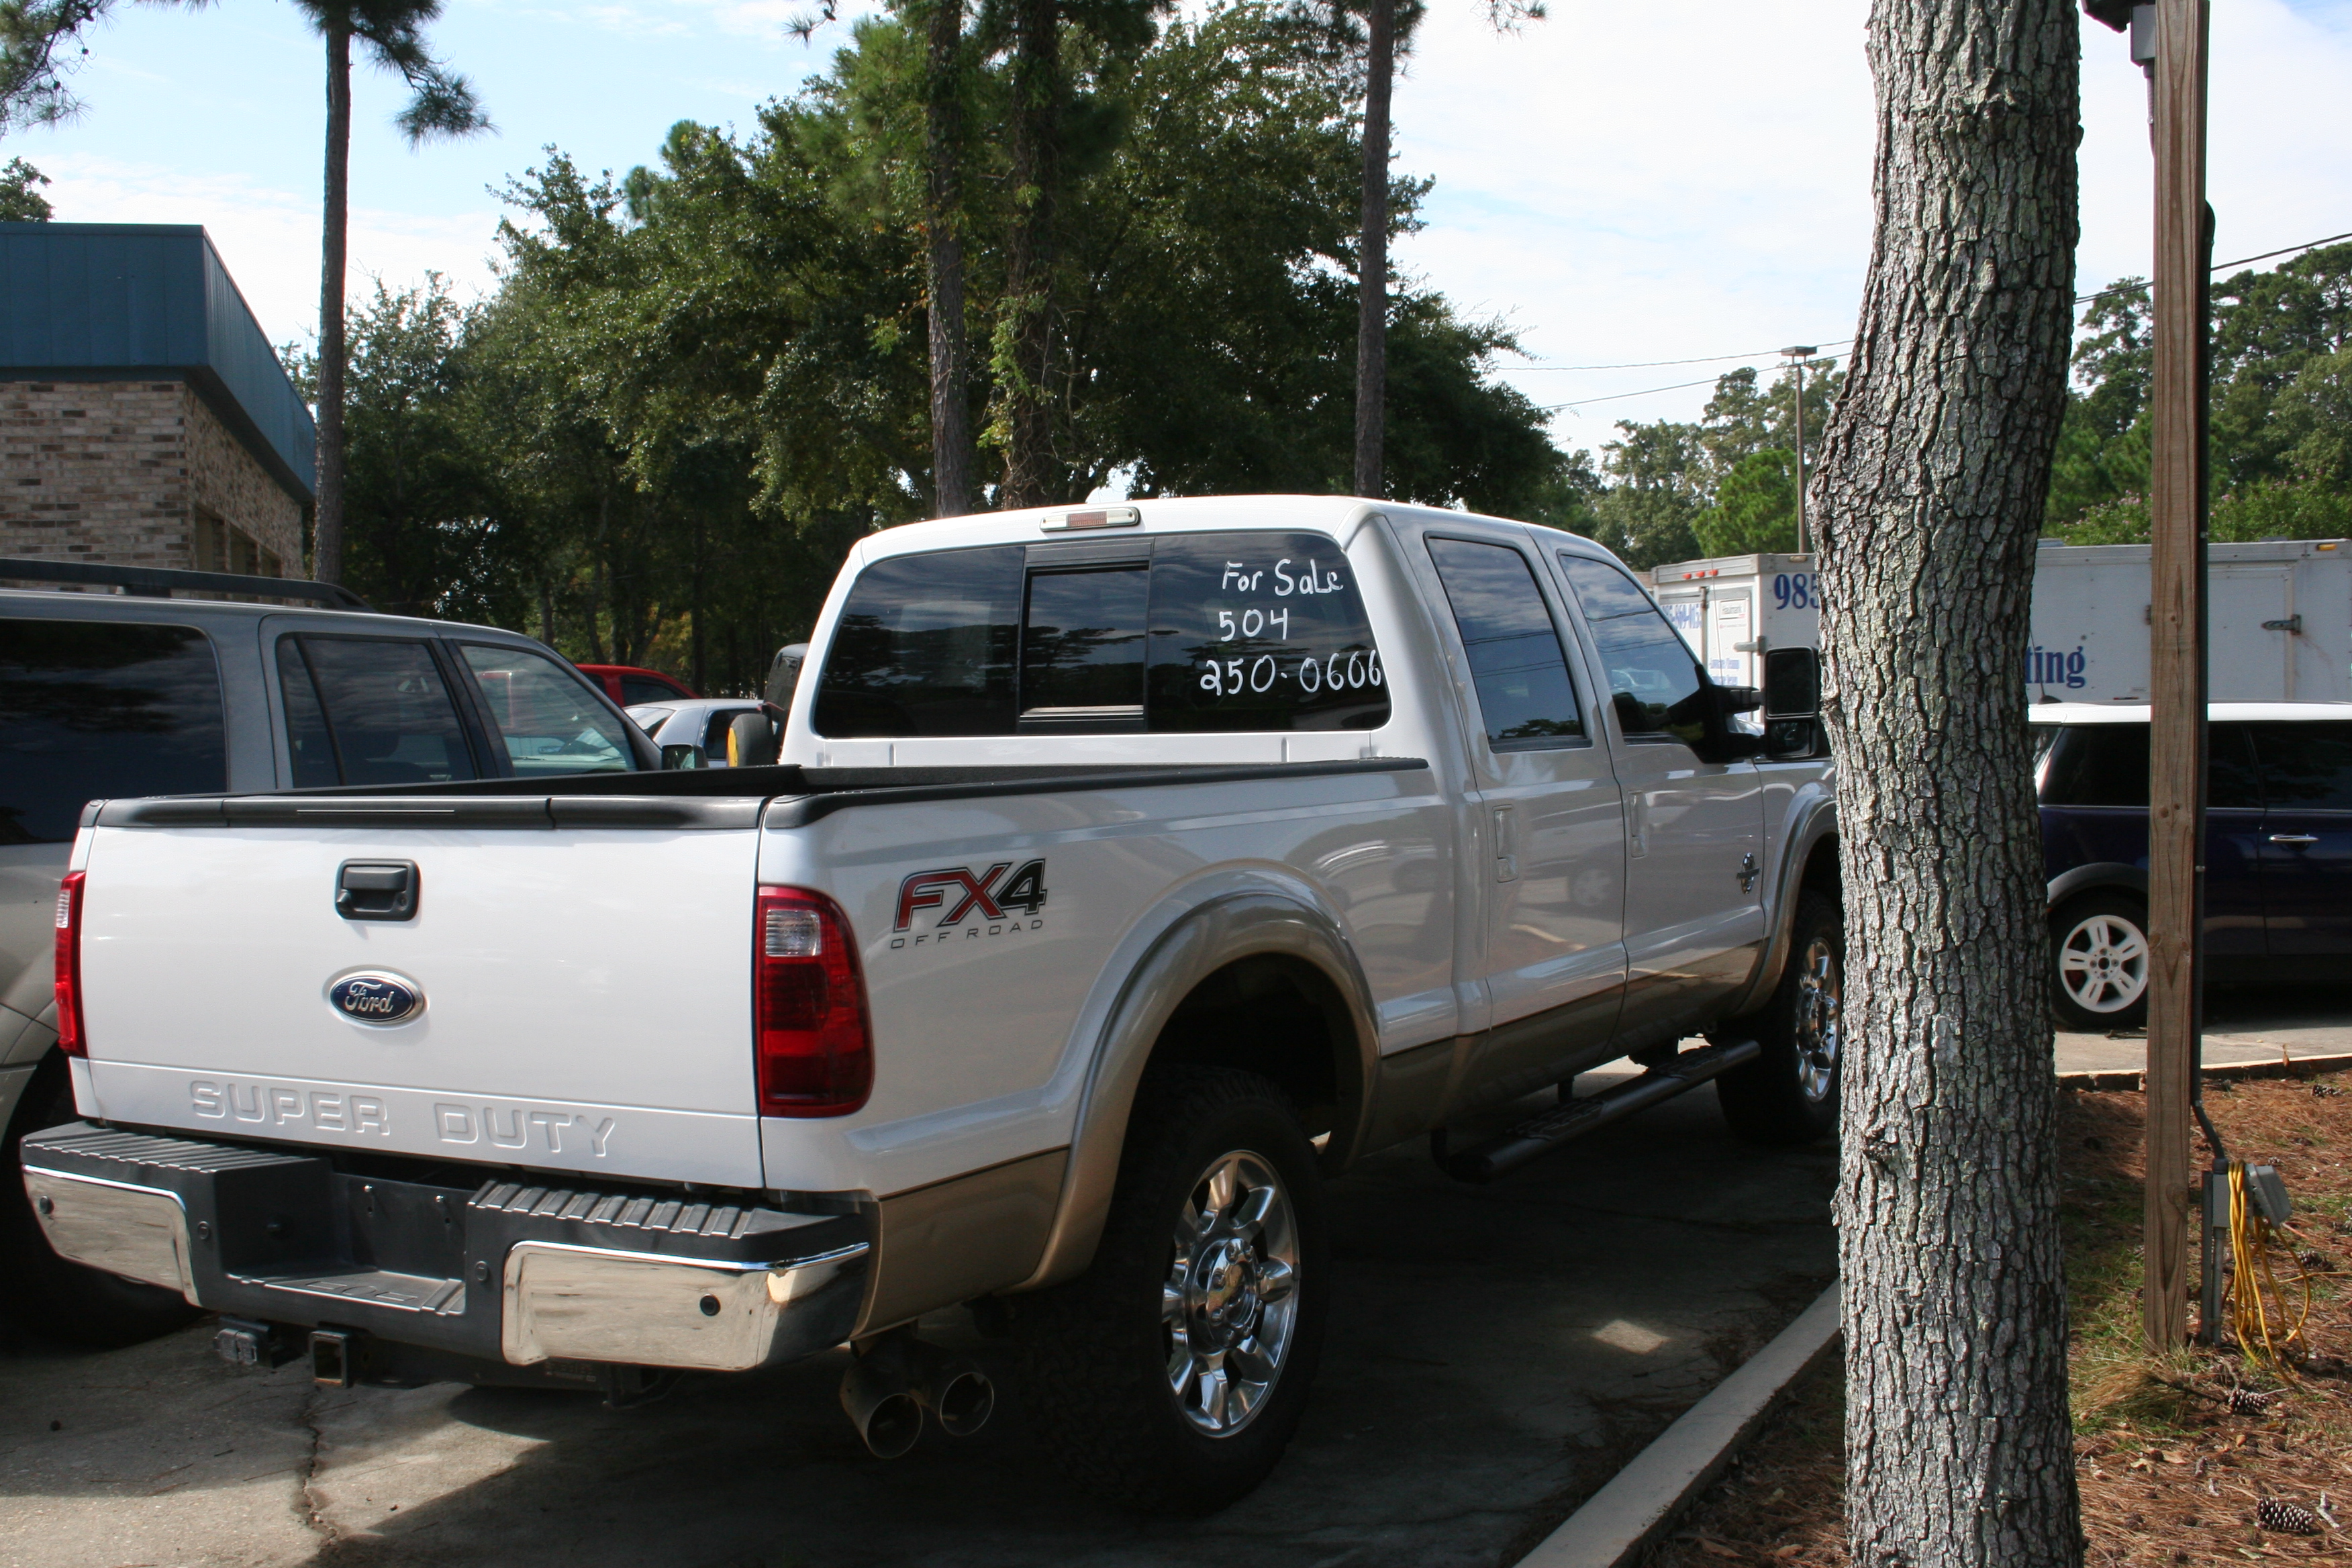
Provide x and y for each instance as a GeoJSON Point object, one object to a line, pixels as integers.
{"type": "Point", "coordinates": [1820, 1016]}
{"type": "Point", "coordinates": [2102, 964]}
{"type": "Point", "coordinates": [1230, 1304]}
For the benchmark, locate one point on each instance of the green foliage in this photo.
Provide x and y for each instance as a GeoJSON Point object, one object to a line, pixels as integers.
{"type": "Point", "coordinates": [39, 44]}
{"type": "Point", "coordinates": [695, 386]}
{"type": "Point", "coordinates": [2281, 421]}
{"type": "Point", "coordinates": [20, 201]}
{"type": "Point", "coordinates": [1755, 507]}
{"type": "Point", "coordinates": [1723, 485]}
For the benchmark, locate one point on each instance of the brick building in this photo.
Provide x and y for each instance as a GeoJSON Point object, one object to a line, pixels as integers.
{"type": "Point", "coordinates": [144, 418]}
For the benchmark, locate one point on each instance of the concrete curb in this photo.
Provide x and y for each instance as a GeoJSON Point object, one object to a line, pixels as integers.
{"type": "Point", "coordinates": [2296, 1067]}
{"type": "Point", "coordinates": [1645, 1496]}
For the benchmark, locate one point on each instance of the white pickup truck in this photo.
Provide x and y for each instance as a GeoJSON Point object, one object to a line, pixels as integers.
{"type": "Point", "coordinates": [1125, 871]}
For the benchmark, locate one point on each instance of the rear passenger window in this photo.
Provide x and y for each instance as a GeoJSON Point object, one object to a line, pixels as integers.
{"type": "Point", "coordinates": [95, 709]}
{"type": "Point", "coordinates": [2305, 767]}
{"type": "Point", "coordinates": [374, 710]}
{"type": "Point", "coordinates": [1516, 662]}
{"type": "Point", "coordinates": [1654, 683]}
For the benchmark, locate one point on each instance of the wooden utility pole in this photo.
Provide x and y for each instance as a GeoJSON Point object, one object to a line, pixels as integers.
{"type": "Point", "coordinates": [2176, 818]}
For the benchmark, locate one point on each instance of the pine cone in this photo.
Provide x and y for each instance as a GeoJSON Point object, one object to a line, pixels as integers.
{"type": "Point", "coordinates": [2285, 1517]}
{"type": "Point", "coordinates": [2248, 1401]}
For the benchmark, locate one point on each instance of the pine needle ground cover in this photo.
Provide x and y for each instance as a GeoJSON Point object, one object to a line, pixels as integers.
{"type": "Point", "coordinates": [2170, 1471]}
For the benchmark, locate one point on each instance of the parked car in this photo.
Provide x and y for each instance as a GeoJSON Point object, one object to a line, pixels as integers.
{"type": "Point", "coordinates": [108, 695]}
{"type": "Point", "coordinates": [628, 686]}
{"type": "Point", "coordinates": [1129, 871]}
{"type": "Point", "coordinates": [701, 721]}
{"type": "Point", "coordinates": [2278, 849]}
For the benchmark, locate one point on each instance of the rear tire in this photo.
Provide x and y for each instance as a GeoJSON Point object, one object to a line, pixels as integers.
{"type": "Point", "coordinates": [43, 1292]}
{"type": "Point", "coordinates": [1790, 1094]}
{"type": "Point", "coordinates": [2099, 962]}
{"type": "Point", "coordinates": [1170, 1377]}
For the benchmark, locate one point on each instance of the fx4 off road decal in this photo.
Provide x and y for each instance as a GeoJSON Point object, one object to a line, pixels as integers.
{"type": "Point", "coordinates": [994, 904]}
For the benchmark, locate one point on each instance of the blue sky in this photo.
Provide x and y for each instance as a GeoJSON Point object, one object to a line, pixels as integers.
{"type": "Point", "coordinates": [1622, 183]}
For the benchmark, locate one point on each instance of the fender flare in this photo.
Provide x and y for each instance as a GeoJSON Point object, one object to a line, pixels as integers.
{"type": "Point", "coordinates": [1812, 818]}
{"type": "Point", "coordinates": [2096, 875]}
{"type": "Point", "coordinates": [1260, 917]}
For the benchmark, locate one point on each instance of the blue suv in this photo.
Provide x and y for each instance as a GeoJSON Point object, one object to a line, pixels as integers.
{"type": "Point", "coordinates": [2278, 849]}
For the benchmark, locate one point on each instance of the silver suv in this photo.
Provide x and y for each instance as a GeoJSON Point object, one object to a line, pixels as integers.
{"type": "Point", "coordinates": [131, 691]}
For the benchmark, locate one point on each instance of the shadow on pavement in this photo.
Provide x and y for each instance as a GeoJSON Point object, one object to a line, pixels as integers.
{"type": "Point", "coordinates": [1494, 1353]}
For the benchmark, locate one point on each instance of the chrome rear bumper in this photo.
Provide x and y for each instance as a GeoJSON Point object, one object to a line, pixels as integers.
{"type": "Point", "coordinates": [505, 1272]}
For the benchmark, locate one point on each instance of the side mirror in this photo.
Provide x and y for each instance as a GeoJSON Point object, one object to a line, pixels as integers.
{"type": "Point", "coordinates": [675, 757]}
{"type": "Point", "coordinates": [753, 741]}
{"type": "Point", "coordinates": [1723, 741]}
{"type": "Point", "coordinates": [1792, 703]}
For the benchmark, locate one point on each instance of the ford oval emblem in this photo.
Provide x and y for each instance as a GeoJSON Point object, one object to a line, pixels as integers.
{"type": "Point", "coordinates": [376, 998]}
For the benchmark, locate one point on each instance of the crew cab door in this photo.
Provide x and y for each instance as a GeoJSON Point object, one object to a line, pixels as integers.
{"type": "Point", "coordinates": [1693, 829]}
{"type": "Point", "coordinates": [1551, 819]}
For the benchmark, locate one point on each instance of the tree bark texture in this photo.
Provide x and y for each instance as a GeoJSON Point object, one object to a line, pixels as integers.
{"type": "Point", "coordinates": [327, 530]}
{"type": "Point", "coordinates": [1026, 333]}
{"type": "Point", "coordinates": [1929, 497]}
{"type": "Point", "coordinates": [952, 486]}
{"type": "Point", "coordinates": [1372, 252]}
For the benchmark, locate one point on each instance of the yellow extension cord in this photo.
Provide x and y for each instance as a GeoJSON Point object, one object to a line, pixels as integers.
{"type": "Point", "coordinates": [2245, 1305]}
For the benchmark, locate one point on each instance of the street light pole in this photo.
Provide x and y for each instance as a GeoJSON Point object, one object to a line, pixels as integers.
{"type": "Point", "coordinates": [1800, 354]}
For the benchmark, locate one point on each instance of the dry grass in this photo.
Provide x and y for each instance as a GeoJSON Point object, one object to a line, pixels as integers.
{"type": "Point", "coordinates": [2169, 1473]}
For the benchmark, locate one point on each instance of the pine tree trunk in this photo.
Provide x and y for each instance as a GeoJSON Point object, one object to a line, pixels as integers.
{"type": "Point", "coordinates": [1372, 252]}
{"type": "Point", "coordinates": [951, 487]}
{"type": "Point", "coordinates": [1026, 337]}
{"type": "Point", "coordinates": [1934, 467]}
{"type": "Point", "coordinates": [326, 536]}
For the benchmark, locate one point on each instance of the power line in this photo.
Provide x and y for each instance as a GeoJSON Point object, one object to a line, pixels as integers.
{"type": "Point", "coordinates": [1645, 391]}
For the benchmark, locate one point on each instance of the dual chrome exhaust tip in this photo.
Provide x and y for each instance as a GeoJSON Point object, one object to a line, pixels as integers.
{"type": "Point", "coordinates": [895, 1380]}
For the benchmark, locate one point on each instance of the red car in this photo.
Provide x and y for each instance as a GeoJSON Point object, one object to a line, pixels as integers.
{"type": "Point", "coordinates": [627, 685]}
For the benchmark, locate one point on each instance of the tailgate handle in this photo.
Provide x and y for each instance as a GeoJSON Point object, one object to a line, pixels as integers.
{"type": "Point", "coordinates": [376, 890]}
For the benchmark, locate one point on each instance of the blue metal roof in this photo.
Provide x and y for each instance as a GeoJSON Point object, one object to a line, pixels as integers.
{"type": "Point", "coordinates": [110, 301]}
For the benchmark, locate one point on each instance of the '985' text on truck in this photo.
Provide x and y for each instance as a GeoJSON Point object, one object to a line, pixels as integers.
{"type": "Point", "coordinates": [1124, 873]}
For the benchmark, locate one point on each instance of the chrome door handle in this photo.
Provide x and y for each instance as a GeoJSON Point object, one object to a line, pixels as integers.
{"type": "Point", "coordinates": [2295, 838]}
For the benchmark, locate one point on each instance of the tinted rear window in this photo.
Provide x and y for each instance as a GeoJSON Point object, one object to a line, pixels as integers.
{"type": "Point", "coordinates": [94, 710]}
{"type": "Point", "coordinates": [370, 710]}
{"type": "Point", "coordinates": [926, 647]}
{"type": "Point", "coordinates": [1235, 631]}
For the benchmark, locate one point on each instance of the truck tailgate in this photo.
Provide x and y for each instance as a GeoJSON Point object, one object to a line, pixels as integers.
{"type": "Point", "coordinates": [586, 994]}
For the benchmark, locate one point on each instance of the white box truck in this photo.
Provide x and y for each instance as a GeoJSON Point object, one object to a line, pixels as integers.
{"type": "Point", "coordinates": [2280, 622]}
{"type": "Point", "coordinates": [1730, 609]}
{"type": "Point", "coordinates": [2278, 625]}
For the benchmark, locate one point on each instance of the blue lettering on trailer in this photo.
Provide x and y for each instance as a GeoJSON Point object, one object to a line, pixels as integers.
{"type": "Point", "coordinates": [1797, 591]}
{"type": "Point", "coordinates": [2057, 667]}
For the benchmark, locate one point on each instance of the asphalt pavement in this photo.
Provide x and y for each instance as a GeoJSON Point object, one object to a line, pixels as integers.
{"type": "Point", "coordinates": [1496, 1353]}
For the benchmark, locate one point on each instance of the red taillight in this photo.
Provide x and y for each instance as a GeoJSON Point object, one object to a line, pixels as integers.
{"type": "Point", "coordinates": [72, 1038]}
{"type": "Point", "coordinates": [808, 1005]}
